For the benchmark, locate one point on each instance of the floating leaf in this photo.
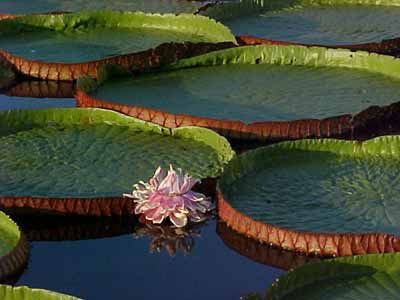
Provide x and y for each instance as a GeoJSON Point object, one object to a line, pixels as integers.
{"type": "Point", "coordinates": [366, 277]}
{"type": "Point", "coordinates": [250, 88]}
{"type": "Point", "coordinates": [92, 154]}
{"type": "Point", "coordinates": [25, 293]}
{"type": "Point", "coordinates": [317, 196]}
{"type": "Point", "coordinates": [88, 36]}
{"type": "Point", "coordinates": [14, 249]}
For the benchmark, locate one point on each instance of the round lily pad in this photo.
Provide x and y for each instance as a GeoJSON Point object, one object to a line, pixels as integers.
{"type": "Point", "coordinates": [312, 22]}
{"type": "Point", "coordinates": [317, 196]}
{"type": "Point", "coordinates": [26, 293]}
{"type": "Point", "coordinates": [14, 249]}
{"type": "Point", "coordinates": [234, 90]}
{"type": "Point", "coordinates": [87, 36]}
{"type": "Point", "coordinates": [94, 155]}
{"type": "Point", "coordinates": [366, 277]}
{"type": "Point", "coordinates": [154, 6]}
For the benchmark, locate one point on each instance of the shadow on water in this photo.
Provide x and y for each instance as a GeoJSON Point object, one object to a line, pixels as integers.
{"type": "Point", "coordinates": [259, 252]}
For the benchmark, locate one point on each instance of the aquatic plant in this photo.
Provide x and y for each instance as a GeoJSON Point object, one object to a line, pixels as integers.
{"type": "Point", "coordinates": [170, 196]}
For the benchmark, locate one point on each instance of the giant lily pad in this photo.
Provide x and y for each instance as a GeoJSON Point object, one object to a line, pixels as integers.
{"type": "Point", "coordinates": [83, 160]}
{"type": "Point", "coordinates": [66, 46]}
{"type": "Point", "coordinates": [366, 277]}
{"type": "Point", "coordinates": [87, 36]}
{"type": "Point", "coordinates": [322, 22]}
{"type": "Point", "coordinates": [26, 293]}
{"type": "Point", "coordinates": [13, 248]}
{"type": "Point", "coordinates": [40, 6]}
{"type": "Point", "coordinates": [233, 90]}
{"type": "Point", "coordinates": [317, 196]}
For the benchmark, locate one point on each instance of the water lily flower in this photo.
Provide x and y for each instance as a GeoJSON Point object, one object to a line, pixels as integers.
{"type": "Point", "coordinates": [170, 196]}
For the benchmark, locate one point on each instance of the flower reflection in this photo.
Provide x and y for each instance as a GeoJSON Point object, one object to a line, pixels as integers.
{"type": "Point", "coordinates": [172, 238]}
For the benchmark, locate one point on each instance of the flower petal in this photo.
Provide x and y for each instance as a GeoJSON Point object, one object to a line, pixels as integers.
{"type": "Point", "coordinates": [178, 219]}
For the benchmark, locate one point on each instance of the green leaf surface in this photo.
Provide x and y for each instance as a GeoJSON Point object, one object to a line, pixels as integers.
{"type": "Point", "coordinates": [26, 293]}
{"type": "Point", "coordinates": [261, 83]}
{"type": "Point", "coordinates": [97, 153]}
{"type": "Point", "coordinates": [296, 56]}
{"type": "Point", "coordinates": [92, 35]}
{"type": "Point", "coordinates": [341, 24]}
{"type": "Point", "coordinates": [366, 277]}
{"type": "Point", "coordinates": [323, 186]}
{"type": "Point", "coordinates": [242, 8]}
{"type": "Point", "coordinates": [9, 235]}
{"type": "Point", "coordinates": [252, 92]}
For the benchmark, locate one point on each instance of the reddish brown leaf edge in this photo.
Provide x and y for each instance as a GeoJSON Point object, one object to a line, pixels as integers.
{"type": "Point", "coordinates": [309, 243]}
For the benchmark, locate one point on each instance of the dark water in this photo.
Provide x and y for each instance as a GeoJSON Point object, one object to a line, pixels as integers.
{"type": "Point", "coordinates": [7, 102]}
{"type": "Point", "coordinates": [122, 267]}
{"type": "Point", "coordinates": [86, 263]}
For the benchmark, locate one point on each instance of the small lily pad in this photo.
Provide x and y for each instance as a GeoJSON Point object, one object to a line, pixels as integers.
{"type": "Point", "coordinates": [26, 293]}
{"type": "Point", "coordinates": [366, 277]}
{"type": "Point", "coordinates": [13, 248]}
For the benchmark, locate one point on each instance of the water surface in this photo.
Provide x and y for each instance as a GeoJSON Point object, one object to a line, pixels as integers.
{"type": "Point", "coordinates": [122, 267]}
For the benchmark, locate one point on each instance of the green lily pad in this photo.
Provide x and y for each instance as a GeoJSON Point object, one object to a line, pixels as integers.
{"type": "Point", "coordinates": [14, 250]}
{"type": "Point", "coordinates": [320, 186]}
{"type": "Point", "coordinates": [366, 277]}
{"type": "Point", "coordinates": [263, 83]}
{"type": "Point", "coordinates": [9, 235]}
{"type": "Point", "coordinates": [26, 293]}
{"type": "Point", "coordinates": [40, 6]}
{"type": "Point", "coordinates": [321, 22]}
{"type": "Point", "coordinates": [87, 36]}
{"type": "Point", "coordinates": [91, 153]}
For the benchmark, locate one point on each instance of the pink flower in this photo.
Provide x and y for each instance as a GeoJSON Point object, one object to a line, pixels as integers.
{"type": "Point", "coordinates": [170, 196]}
